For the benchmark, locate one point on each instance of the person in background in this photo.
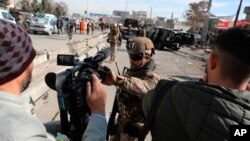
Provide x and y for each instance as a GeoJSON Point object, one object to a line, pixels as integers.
{"type": "Point", "coordinates": [70, 28]}
{"type": "Point", "coordinates": [59, 25]}
{"type": "Point", "coordinates": [22, 23]}
{"type": "Point", "coordinates": [18, 118]}
{"type": "Point", "coordinates": [92, 28]}
{"type": "Point", "coordinates": [113, 37]}
{"type": "Point", "coordinates": [88, 27]}
{"type": "Point", "coordinates": [82, 27]}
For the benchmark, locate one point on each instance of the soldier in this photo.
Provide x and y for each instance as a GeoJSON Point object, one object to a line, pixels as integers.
{"type": "Point", "coordinates": [113, 37]}
{"type": "Point", "coordinates": [133, 85]}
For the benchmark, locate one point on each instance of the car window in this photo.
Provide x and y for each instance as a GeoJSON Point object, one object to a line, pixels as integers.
{"type": "Point", "coordinates": [52, 22]}
{"type": "Point", "coordinates": [150, 32]}
{"type": "Point", "coordinates": [6, 16]}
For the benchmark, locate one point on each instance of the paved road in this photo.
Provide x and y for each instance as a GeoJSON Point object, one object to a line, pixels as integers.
{"type": "Point", "coordinates": [54, 42]}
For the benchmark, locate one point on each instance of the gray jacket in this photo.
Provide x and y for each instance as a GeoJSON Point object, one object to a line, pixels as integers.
{"type": "Point", "coordinates": [197, 111]}
{"type": "Point", "coordinates": [18, 120]}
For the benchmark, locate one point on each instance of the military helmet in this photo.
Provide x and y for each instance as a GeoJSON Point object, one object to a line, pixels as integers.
{"type": "Point", "coordinates": [140, 45]}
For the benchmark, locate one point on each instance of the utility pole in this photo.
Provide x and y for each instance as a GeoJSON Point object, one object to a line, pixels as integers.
{"type": "Point", "coordinates": [205, 27]}
{"type": "Point", "coordinates": [150, 12]}
{"type": "Point", "coordinates": [126, 5]}
{"type": "Point", "coordinates": [238, 12]}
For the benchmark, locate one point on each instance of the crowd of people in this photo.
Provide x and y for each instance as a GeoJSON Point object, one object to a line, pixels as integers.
{"type": "Point", "coordinates": [70, 27]}
{"type": "Point", "coordinates": [144, 102]}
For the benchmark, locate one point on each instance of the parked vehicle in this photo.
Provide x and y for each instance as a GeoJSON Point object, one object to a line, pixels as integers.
{"type": "Point", "coordinates": [163, 37]}
{"type": "Point", "coordinates": [5, 15]}
{"type": "Point", "coordinates": [44, 23]}
{"type": "Point", "coordinates": [183, 37]}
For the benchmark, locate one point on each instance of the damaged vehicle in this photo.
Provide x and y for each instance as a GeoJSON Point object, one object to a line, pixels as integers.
{"type": "Point", "coordinates": [130, 27]}
{"type": "Point", "coordinates": [163, 37]}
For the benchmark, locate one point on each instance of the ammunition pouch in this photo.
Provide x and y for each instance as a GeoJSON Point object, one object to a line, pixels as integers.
{"type": "Point", "coordinates": [124, 97]}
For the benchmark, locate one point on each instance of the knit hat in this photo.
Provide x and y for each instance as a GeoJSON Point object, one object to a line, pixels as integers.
{"type": "Point", "coordinates": [16, 51]}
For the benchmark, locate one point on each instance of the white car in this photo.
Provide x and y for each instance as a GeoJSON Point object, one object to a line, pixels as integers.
{"type": "Point", "coordinates": [44, 25]}
{"type": "Point", "coordinates": [5, 15]}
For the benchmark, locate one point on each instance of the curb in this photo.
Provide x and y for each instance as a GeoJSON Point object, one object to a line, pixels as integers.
{"type": "Point", "coordinates": [36, 92]}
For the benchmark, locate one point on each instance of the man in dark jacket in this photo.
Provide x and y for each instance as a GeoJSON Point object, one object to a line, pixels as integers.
{"type": "Point", "coordinates": [59, 25]}
{"type": "Point", "coordinates": [205, 111]}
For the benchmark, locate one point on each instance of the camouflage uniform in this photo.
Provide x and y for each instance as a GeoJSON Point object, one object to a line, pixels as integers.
{"type": "Point", "coordinates": [132, 88]}
{"type": "Point", "coordinates": [113, 37]}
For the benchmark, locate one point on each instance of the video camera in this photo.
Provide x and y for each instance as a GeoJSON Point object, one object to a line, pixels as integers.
{"type": "Point", "coordinates": [71, 90]}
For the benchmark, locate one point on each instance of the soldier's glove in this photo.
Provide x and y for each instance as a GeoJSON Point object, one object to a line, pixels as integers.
{"type": "Point", "coordinates": [110, 76]}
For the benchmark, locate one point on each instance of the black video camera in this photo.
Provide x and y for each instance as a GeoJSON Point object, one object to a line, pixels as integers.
{"type": "Point", "coordinates": [71, 90]}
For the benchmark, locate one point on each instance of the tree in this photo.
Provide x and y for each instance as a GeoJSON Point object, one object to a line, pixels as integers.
{"type": "Point", "coordinates": [46, 6]}
{"type": "Point", "coordinates": [197, 13]}
{"type": "Point", "coordinates": [25, 6]}
{"type": "Point", "coordinates": [4, 3]}
{"type": "Point", "coordinates": [35, 6]}
{"type": "Point", "coordinates": [61, 9]}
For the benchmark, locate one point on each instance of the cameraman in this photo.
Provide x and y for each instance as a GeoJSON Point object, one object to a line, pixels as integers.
{"type": "Point", "coordinates": [18, 119]}
{"type": "Point", "coordinates": [133, 85]}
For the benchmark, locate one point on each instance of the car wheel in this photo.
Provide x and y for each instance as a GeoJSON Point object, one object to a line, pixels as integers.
{"type": "Point", "coordinates": [176, 46]}
{"type": "Point", "coordinates": [159, 46]}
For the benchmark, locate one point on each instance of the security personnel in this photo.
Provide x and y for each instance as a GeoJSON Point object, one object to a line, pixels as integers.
{"type": "Point", "coordinates": [113, 37]}
{"type": "Point", "coordinates": [133, 85]}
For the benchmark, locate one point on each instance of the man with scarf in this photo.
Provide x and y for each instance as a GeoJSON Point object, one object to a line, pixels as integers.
{"type": "Point", "coordinates": [133, 85]}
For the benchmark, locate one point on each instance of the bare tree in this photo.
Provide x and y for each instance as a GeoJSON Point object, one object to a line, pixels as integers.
{"type": "Point", "coordinates": [25, 6]}
{"type": "Point", "coordinates": [36, 6]}
{"type": "Point", "coordinates": [4, 3]}
{"type": "Point", "coordinates": [197, 13]}
{"type": "Point", "coordinates": [60, 9]}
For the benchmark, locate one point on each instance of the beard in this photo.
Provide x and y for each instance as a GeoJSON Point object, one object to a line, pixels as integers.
{"type": "Point", "coordinates": [27, 81]}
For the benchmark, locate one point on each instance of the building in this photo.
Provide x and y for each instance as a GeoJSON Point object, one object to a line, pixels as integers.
{"type": "Point", "coordinates": [122, 14]}
{"type": "Point", "coordinates": [247, 12]}
{"type": "Point", "coordinates": [142, 15]}
{"type": "Point", "coordinates": [160, 21]}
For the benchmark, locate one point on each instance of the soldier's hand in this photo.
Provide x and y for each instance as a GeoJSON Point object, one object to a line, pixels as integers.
{"type": "Point", "coordinates": [96, 96]}
{"type": "Point", "coordinates": [110, 77]}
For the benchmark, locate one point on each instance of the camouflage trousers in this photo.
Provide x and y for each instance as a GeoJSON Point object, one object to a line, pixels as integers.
{"type": "Point", "coordinates": [113, 47]}
{"type": "Point", "coordinates": [120, 135]}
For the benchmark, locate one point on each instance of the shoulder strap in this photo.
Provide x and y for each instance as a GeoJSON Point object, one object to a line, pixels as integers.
{"type": "Point", "coordinates": [162, 87]}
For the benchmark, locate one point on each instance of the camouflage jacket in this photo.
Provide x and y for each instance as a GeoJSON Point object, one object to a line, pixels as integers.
{"type": "Point", "coordinates": [135, 85]}
{"type": "Point", "coordinates": [113, 35]}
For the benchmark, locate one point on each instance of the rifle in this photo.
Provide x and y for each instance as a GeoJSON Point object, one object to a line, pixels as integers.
{"type": "Point", "coordinates": [111, 129]}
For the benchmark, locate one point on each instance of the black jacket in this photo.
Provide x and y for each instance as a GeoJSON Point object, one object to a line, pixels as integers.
{"type": "Point", "coordinates": [193, 111]}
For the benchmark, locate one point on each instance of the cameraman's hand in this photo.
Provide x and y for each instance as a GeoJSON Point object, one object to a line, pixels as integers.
{"type": "Point", "coordinates": [96, 96]}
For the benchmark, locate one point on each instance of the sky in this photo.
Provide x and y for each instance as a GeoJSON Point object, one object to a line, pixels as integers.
{"type": "Point", "coordinates": [162, 8]}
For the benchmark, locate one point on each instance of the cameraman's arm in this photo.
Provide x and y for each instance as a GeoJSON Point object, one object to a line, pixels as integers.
{"type": "Point", "coordinates": [96, 99]}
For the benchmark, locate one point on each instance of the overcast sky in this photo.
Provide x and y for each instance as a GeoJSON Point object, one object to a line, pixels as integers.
{"type": "Point", "coordinates": [162, 8]}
